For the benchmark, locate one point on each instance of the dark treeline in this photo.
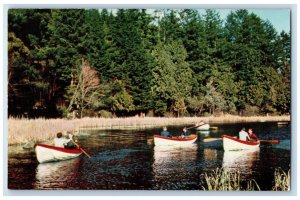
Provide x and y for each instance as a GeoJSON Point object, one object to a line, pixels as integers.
{"type": "Point", "coordinates": [90, 62]}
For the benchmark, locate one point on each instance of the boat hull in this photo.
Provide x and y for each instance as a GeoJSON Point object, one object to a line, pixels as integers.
{"type": "Point", "coordinates": [234, 144]}
{"type": "Point", "coordinates": [203, 127]}
{"type": "Point", "coordinates": [174, 141]}
{"type": "Point", "coordinates": [47, 153]}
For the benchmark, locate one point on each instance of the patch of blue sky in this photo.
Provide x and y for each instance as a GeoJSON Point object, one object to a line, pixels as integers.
{"type": "Point", "coordinates": [279, 18]}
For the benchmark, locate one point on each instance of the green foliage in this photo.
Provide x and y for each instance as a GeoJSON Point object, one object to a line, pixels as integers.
{"type": "Point", "coordinates": [170, 61]}
{"type": "Point", "coordinates": [105, 114]}
{"type": "Point", "coordinates": [118, 99]}
{"type": "Point", "coordinates": [172, 76]}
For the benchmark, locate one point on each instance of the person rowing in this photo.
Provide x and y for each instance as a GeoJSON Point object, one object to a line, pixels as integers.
{"type": "Point", "coordinates": [185, 133]}
{"type": "Point", "coordinates": [252, 135]}
{"type": "Point", "coordinates": [165, 132]}
{"type": "Point", "coordinates": [243, 135]}
{"type": "Point", "coordinates": [62, 142]}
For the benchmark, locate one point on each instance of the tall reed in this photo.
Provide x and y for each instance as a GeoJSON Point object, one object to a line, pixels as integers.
{"type": "Point", "coordinates": [282, 180]}
{"type": "Point", "coordinates": [22, 130]}
{"type": "Point", "coordinates": [222, 180]}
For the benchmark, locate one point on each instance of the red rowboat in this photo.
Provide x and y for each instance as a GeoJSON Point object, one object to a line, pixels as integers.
{"type": "Point", "coordinates": [161, 140]}
{"type": "Point", "coordinates": [47, 153]}
{"type": "Point", "coordinates": [233, 144]}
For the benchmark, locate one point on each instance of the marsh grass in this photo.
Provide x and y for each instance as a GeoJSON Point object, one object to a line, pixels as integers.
{"type": "Point", "coordinates": [282, 180]}
{"type": "Point", "coordinates": [22, 130]}
{"type": "Point", "coordinates": [222, 180]}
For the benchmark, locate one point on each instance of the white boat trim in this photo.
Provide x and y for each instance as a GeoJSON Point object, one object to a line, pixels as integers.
{"type": "Point", "coordinates": [165, 141]}
{"type": "Point", "coordinates": [47, 153]}
{"type": "Point", "coordinates": [234, 144]}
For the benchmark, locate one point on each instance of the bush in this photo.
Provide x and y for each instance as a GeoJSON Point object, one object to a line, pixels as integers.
{"type": "Point", "coordinates": [169, 114]}
{"type": "Point", "coordinates": [105, 114]}
{"type": "Point", "coordinates": [251, 111]}
{"type": "Point", "coordinates": [150, 113]}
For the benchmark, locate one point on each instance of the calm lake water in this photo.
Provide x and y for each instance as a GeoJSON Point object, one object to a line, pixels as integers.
{"type": "Point", "coordinates": [123, 160]}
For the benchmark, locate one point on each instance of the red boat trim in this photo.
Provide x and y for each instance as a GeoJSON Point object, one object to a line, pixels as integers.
{"type": "Point", "coordinates": [176, 138]}
{"type": "Point", "coordinates": [73, 151]}
{"type": "Point", "coordinates": [241, 141]}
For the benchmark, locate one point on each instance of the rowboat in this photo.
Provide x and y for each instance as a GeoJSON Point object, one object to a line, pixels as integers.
{"type": "Point", "coordinates": [165, 141]}
{"type": "Point", "coordinates": [47, 153]}
{"type": "Point", "coordinates": [234, 144]}
{"type": "Point", "coordinates": [203, 127]}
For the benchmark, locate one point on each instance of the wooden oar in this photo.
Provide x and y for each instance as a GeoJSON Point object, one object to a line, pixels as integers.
{"type": "Point", "coordinates": [195, 126]}
{"type": "Point", "coordinates": [216, 139]}
{"type": "Point", "coordinates": [270, 141]}
{"type": "Point", "coordinates": [83, 151]}
{"type": "Point", "coordinates": [211, 139]}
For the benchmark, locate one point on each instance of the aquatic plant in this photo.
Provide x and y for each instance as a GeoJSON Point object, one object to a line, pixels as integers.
{"type": "Point", "coordinates": [282, 180]}
{"type": "Point", "coordinates": [223, 180]}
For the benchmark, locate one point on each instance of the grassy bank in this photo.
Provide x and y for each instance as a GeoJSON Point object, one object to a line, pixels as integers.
{"type": "Point", "coordinates": [222, 180]}
{"type": "Point", "coordinates": [36, 130]}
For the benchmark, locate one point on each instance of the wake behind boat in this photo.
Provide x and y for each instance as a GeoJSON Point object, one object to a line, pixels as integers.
{"type": "Point", "coordinates": [162, 140]}
{"type": "Point", "coordinates": [234, 144]}
{"type": "Point", "coordinates": [47, 153]}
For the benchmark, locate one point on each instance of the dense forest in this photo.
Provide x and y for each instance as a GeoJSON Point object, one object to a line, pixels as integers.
{"type": "Point", "coordinates": [92, 62]}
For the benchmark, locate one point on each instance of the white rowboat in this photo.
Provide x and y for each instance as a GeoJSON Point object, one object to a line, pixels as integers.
{"type": "Point", "coordinates": [47, 153]}
{"type": "Point", "coordinates": [176, 141]}
{"type": "Point", "coordinates": [234, 144]}
{"type": "Point", "coordinates": [203, 127]}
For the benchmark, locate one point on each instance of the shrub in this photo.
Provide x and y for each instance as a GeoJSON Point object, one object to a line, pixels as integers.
{"type": "Point", "coordinates": [105, 114]}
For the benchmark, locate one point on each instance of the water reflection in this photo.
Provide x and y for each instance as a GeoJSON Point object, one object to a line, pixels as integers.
{"type": "Point", "coordinates": [174, 167]}
{"type": "Point", "coordinates": [204, 133]}
{"type": "Point", "coordinates": [210, 154]}
{"type": "Point", "coordinates": [240, 160]}
{"type": "Point", "coordinates": [61, 174]}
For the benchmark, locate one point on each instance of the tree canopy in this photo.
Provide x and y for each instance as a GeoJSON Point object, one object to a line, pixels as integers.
{"type": "Point", "coordinates": [170, 62]}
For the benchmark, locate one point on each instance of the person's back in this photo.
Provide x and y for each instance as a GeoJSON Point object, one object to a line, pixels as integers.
{"type": "Point", "coordinates": [165, 133]}
{"type": "Point", "coordinates": [243, 135]}
{"type": "Point", "coordinates": [59, 141]}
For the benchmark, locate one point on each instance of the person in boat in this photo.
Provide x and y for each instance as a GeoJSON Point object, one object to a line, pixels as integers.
{"type": "Point", "coordinates": [243, 135]}
{"type": "Point", "coordinates": [165, 132]}
{"type": "Point", "coordinates": [59, 141]}
{"type": "Point", "coordinates": [69, 144]}
{"type": "Point", "coordinates": [252, 135]}
{"type": "Point", "coordinates": [185, 133]}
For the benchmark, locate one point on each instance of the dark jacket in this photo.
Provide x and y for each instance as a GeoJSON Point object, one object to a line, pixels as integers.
{"type": "Point", "coordinates": [187, 133]}
{"type": "Point", "coordinates": [166, 134]}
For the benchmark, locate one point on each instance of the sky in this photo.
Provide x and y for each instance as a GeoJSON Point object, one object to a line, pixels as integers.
{"type": "Point", "coordinates": [280, 18]}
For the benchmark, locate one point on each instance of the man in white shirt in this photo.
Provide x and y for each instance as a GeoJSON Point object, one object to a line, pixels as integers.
{"type": "Point", "coordinates": [243, 135]}
{"type": "Point", "coordinates": [59, 141]}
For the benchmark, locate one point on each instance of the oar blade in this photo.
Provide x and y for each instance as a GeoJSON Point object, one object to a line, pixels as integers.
{"type": "Point", "coordinates": [271, 141]}
{"type": "Point", "coordinates": [211, 139]}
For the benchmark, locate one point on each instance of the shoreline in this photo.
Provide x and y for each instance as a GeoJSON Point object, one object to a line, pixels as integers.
{"type": "Point", "coordinates": [21, 131]}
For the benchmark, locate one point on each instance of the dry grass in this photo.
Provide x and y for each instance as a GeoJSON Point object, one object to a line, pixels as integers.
{"type": "Point", "coordinates": [24, 130]}
{"type": "Point", "coordinates": [282, 180]}
{"type": "Point", "coordinates": [222, 180]}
